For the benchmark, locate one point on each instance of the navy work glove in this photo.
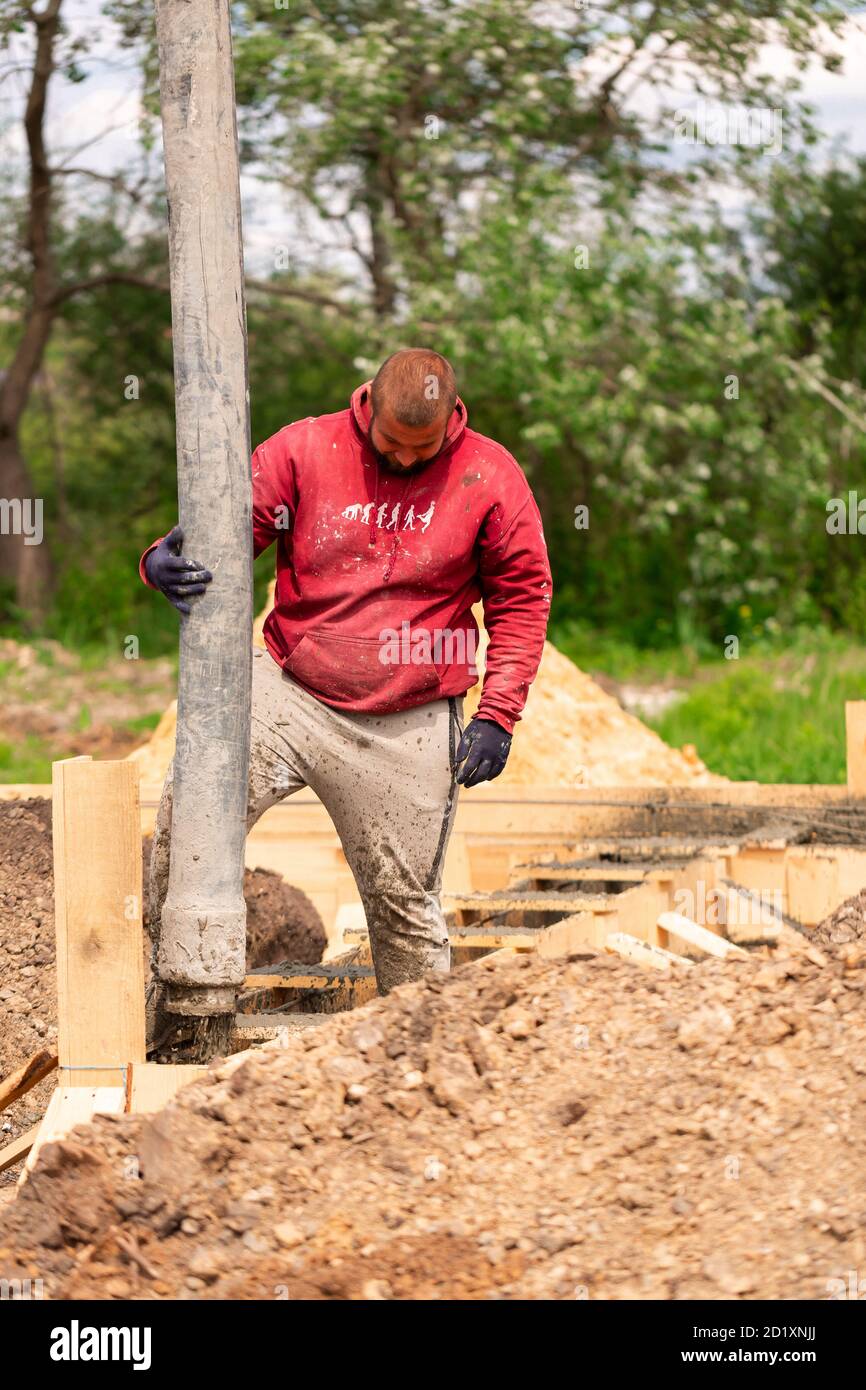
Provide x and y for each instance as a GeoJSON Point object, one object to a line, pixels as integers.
{"type": "Point", "coordinates": [173, 574]}
{"type": "Point", "coordinates": [482, 752]}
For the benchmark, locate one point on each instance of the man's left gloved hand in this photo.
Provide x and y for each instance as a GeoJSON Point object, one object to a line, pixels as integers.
{"type": "Point", "coordinates": [482, 752]}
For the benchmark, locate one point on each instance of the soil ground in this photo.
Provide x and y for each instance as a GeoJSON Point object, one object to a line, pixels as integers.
{"type": "Point", "coordinates": [55, 706]}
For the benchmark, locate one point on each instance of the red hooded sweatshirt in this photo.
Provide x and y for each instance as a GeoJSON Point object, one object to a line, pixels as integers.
{"type": "Point", "coordinates": [377, 573]}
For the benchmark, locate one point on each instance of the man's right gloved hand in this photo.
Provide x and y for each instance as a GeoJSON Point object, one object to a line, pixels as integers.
{"type": "Point", "coordinates": [173, 574]}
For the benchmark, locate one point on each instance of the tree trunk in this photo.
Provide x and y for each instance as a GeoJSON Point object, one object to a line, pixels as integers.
{"type": "Point", "coordinates": [384, 289]}
{"type": "Point", "coordinates": [28, 565]}
{"type": "Point", "coordinates": [203, 937]}
{"type": "Point", "coordinates": [24, 558]}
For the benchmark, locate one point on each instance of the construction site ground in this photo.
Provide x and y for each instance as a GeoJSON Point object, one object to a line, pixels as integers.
{"type": "Point", "coordinates": [604, 1099]}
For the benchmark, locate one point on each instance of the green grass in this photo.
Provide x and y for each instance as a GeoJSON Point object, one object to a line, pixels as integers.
{"type": "Point", "coordinates": [775, 714]}
{"type": "Point", "coordinates": [747, 729]}
{"type": "Point", "coordinates": [141, 724]}
{"type": "Point", "coordinates": [606, 651]}
{"type": "Point", "coordinates": [27, 760]}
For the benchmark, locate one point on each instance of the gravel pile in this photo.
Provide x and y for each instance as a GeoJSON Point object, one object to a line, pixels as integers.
{"type": "Point", "coordinates": [519, 1129]}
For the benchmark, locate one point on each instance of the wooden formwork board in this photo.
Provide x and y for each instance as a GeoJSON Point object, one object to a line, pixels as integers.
{"type": "Point", "coordinates": [328, 976]}
{"type": "Point", "coordinates": [595, 871]}
{"type": "Point", "coordinates": [855, 732]}
{"type": "Point", "coordinates": [344, 982]}
{"type": "Point", "coordinates": [486, 935]}
{"type": "Point", "coordinates": [479, 907]}
{"type": "Point", "coordinates": [152, 1085]}
{"type": "Point", "coordinates": [70, 1106]}
{"type": "Point", "coordinates": [674, 924]}
{"type": "Point", "coordinates": [641, 953]}
{"type": "Point", "coordinates": [97, 908]}
{"type": "Point", "coordinates": [17, 1149]}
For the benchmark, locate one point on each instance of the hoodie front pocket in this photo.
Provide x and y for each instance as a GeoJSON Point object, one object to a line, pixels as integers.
{"type": "Point", "coordinates": [359, 671]}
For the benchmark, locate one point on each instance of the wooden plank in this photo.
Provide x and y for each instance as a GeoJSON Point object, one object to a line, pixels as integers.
{"type": "Point", "coordinates": [342, 983]}
{"type": "Point", "coordinates": [770, 927]}
{"type": "Point", "coordinates": [812, 884]}
{"type": "Point", "coordinates": [641, 952]}
{"type": "Point", "coordinates": [34, 1070]}
{"type": "Point", "coordinates": [597, 873]}
{"type": "Point", "coordinates": [700, 937]}
{"type": "Point", "coordinates": [855, 735]}
{"type": "Point", "coordinates": [515, 900]}
{"type": "Point", "coordinates": [851, 871]}
{"type": "Point", "coordinates": [578, 929]}
{"type": "Point", "coordinates": [154, 1085]}
{"type": "Point", "coordinates": [70, 1106]}
{"type": "Point", "coordinates": [484, 801]}
{"type": "Point", "coordinates": [18, 1149]}
{"type": "Point", "coordinates": [519, 938]}
{"type": "Point", "coordinates": [637, 911]}
{"type": "Point", "coordinates": [323, 977]}
{"type": "Point", "coordinates": [97, 891]}
{"type": "Point", "coordinates": [633, 851]}
{"type": "Point", "coordinates": [489, 939]}
{"type": "Point", "coordinates": [274, 979]}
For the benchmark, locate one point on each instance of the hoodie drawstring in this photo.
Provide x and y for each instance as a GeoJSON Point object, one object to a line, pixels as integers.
{"type": "Point", "coordinates": [374, 528]}
{"type": "Point", "coordinates": [375, 508]}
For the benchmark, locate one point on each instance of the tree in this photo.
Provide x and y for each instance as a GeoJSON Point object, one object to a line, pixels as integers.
{"type": "Point", "coordinates": [391, 125]}
{"type": "Point", "coordinates": [42, 287]}
{"type": "Point", "coordinates": [815, 233]}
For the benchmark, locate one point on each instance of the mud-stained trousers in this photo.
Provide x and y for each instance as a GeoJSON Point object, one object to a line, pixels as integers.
{"type": "Point", "coordinates": [388, 784]}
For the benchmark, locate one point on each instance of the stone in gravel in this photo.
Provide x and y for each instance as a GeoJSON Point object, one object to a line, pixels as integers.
{"type": "Point", "coordinates": [288, 1234]}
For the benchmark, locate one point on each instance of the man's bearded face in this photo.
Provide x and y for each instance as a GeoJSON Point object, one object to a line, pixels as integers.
{"type": "Point", "coordinates": [405, 448]}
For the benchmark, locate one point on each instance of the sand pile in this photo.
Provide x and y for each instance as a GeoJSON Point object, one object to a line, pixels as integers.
{"type": "Point", "coordinates": [572, 734]}
{"type": "Point", "coordinates": [519, 1129]}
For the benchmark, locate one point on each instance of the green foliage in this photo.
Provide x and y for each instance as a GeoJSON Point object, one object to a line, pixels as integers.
{"type": "Point", "coordinates": [814, 228]}
{"type": "Point", "coordinates": [614, 384]}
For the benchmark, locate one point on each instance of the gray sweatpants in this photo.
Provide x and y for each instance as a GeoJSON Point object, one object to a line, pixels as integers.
{"type": "Point", "coordinates": [387, 782]}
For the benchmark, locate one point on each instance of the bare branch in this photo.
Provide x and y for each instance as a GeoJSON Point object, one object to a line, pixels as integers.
{"type": "Point", "coordinates": [296, 292]}
{"type": "Point", "coordinates": [274, 287]}
{"type": "Point", "coordinates": [114, 180]}
{"type": "Point", "coordinates": [110, 278]}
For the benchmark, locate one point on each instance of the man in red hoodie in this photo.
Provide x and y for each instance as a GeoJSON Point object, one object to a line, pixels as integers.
{"type": "Point", "coordinates": [391, 519]}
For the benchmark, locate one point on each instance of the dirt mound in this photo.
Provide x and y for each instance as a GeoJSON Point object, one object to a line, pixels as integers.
{"type": "Point", "coordinates": [573, 734]}
{"type": "Point", "coordinates": [282, 922]}
{"type": "Point", "coordinates": [521, 1128]}
{"type": "Point", "coordinates": [847, 923]}
{"type": "Point", "coordinates": [28, 987]}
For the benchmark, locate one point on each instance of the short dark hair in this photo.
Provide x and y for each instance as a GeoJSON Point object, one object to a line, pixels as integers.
{"type": "Point", "coordinates": [417, 384]}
